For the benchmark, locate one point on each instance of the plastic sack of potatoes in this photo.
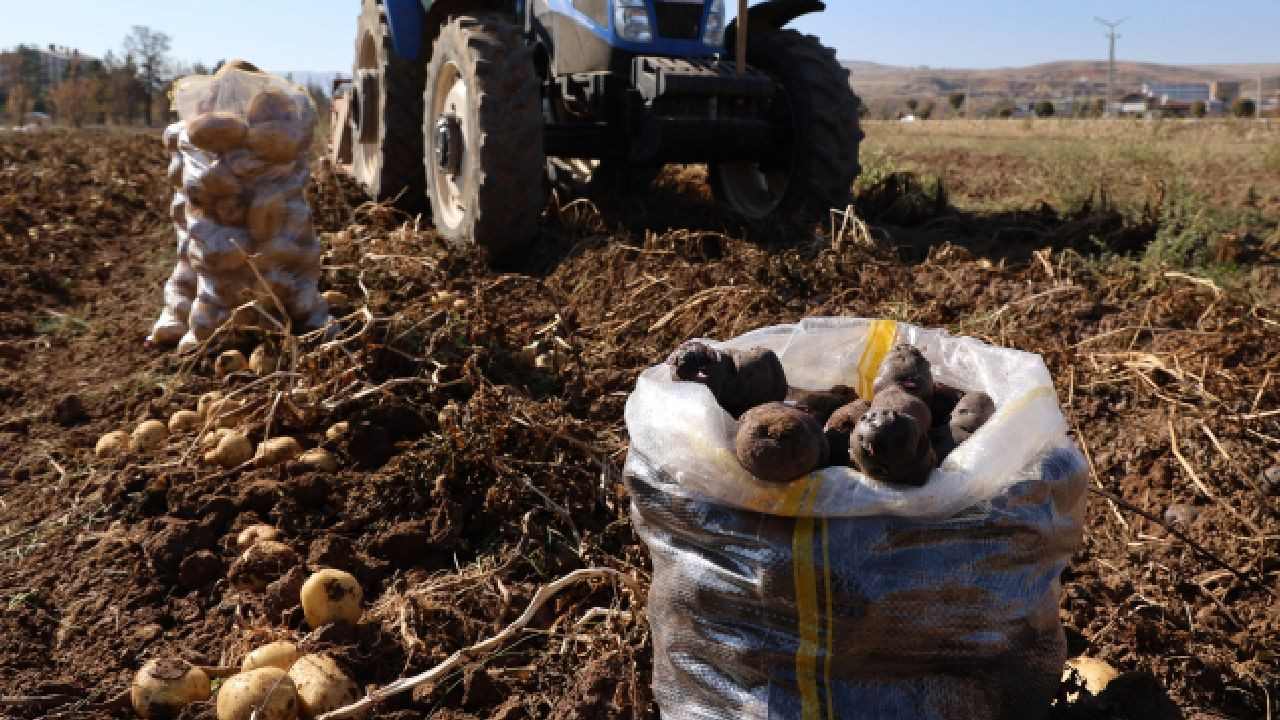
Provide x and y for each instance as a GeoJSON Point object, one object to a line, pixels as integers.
{"type": "Point", "coordinates": [838, 596]}
{"type": "Point", "coordinates": [244, 226]}
{"type": "Point", "coordinates": [180, 288]}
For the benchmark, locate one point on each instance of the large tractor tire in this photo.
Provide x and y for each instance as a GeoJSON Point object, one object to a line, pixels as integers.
{"type": "Point", "coordinates": [483, 134]}
{"type": "Point", "coordinates": [386, 114]}
{"type": "Point", "coordinates": [814, 163]}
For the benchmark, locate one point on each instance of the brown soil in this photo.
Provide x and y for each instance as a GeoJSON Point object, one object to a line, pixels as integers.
{"type": "Point", "coordinates": [476, 475]}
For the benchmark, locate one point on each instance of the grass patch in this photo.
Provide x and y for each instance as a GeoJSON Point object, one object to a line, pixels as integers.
{"type": "Point", "coordinates": [60, 324]}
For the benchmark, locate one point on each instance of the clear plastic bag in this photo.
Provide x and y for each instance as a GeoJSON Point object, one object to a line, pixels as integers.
{"type": "Point", "coordinates": [240, 204]}
{"type": "Point", "coordinates": [836, 595]}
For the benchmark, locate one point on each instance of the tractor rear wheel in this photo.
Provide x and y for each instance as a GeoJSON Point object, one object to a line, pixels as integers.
{"type": "Point", "coordinates": [483, 132]}
{"type": "Point", "coordinates": [814, 162]}
{"type": "Point", "coordinates": [386, 114]}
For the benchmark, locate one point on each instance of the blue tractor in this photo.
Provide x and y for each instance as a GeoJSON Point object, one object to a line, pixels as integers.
{"type": "Point", "coordinates": [466, 104]}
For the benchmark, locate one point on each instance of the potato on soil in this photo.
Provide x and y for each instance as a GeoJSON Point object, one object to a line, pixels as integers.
{"type": "Point", "coordinates": [210, 440]}
{"type": "Point", "coordinates": [267, 693]}
{"type": "Point", "coordinates": [337, 431]}
{"type": "Point", "coordinates": [277, 450]}
{"type": "Point", "coordinates": [217, 131]}
{"type": "Point", "coordinates": [184, 421]}
{"type": "Point", "coordinates": [255, 534]}
{"type": "Point", "coordinates": [111, 444]}
{"type": "Point", "coordinates": [165, 685]}
{"type": "Point", "coordinates": [330, 595]}
{"type": "Point", "coordinates": [262, 362]}
{"type": "Point", "coordinates": [208, 400]}
{"type": "Point", "coordinates": [149, 435]}
{"type": "Point", "coordinates": [779, 443]}
{"type": "Point", "coordinates": [322, 685]}
{"type": "Point", "coordinates": [318, 459]}
{"type": "Point", "coordinates": [233, 449]}
{"type": "Point", "coordinates": [1092, 674]}
{"type": "Point", "coordinates": [229, 362]}
{"type": "Point", "coordinates": [279, 654]}
{"type": "Point", "coordinates": [336, 299]}
{"type": "Point", "coordinates": [263, 562]}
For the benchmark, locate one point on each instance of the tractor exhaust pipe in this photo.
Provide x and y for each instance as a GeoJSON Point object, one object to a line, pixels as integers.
{"type": "Point", "coordinates": [742, 37]}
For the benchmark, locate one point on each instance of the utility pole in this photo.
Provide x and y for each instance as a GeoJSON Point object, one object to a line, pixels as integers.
{"type": "Point", "coordinates": [1111, 63]}
{"type": "Point", "coordinates": [1257, 110]}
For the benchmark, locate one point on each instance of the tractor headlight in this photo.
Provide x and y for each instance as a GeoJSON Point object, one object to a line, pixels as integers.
{"type": "Point", "coordinates": [713, 34]}
{"type": "Point", "coordinates": [631, 20]}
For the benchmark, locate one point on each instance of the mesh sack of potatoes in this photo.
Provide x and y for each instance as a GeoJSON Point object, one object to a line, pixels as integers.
{"type": "Point", "coordinates": [835, 595]}
{"type": "Point", "coordinates": [239, 173]}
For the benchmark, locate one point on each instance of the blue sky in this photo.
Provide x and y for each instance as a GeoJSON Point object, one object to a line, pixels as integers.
{"type": "Point", "coordinates": [317, 34]}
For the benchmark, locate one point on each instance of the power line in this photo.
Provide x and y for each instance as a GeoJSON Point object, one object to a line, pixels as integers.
{"type": "Point", "coordinates": [1111, 63]}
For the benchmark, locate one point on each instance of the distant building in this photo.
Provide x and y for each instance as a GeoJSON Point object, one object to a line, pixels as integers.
{"type": "Point", "coordinates": [1133, 104]}
{"type": "Point", "coordinates": [47, 65]}
{"type": "Point", "coordinates": [1178, 92]}
{"type": "Point", "coordinates": [1224, 90]}
{"type": "Point", "coordinates": [54, 62]}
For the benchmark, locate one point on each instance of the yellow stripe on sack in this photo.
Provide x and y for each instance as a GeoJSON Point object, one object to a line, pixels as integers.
{"type": "Point", "coordinates": [830, 647]}
{"type": "Point", "coordinates": [880, 339]}
{"type": "Point", "coordinates": [807, 608]}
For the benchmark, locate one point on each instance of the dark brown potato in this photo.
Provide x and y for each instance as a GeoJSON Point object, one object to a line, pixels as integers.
{"type": "Point", "coordinates": [822, 403]}
{"type": "Point", "coordinates": [759, 380]}
{"type": "Point", "coordinates": [906, 367]}
{"type": "Point", "coordinates": [701, 363]}
{"type": "Point", "coordinates": [893, 447]}
{"type": "Point", "coordinates": [901, 401]}
{"type": "Point", "coordinates": [944, 400]}
{"type": "Point", "coordinates": [779, 443]}
{"type": "Point", "coordinates": [972, 412]}
{"type": "Point", "coordinates": [839, 429]}
{"type": "Point", "coordinates": [739, 379]}
{"type": "Point", "coordinates": [945, 439]}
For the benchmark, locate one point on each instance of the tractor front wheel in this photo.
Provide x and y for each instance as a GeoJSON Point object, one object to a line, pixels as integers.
{"type": "Point", "coordinates": [482, 136]}
{"type": "Point", "coordinates": [814, 161]}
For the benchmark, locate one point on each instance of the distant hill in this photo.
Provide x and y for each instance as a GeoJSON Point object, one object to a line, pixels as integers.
{"type": "Point", "coordinates": [889, 84]}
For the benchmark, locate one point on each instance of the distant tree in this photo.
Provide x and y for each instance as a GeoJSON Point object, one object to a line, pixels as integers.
{"type": "Point", "coordinates": [912, 104]}
{"type": "Point", "coordinates": [20, 71]}
{"type": "Point", "coordinates": [1199, 109]}
{"type": "Point", "coordinates": [1044, 108]}
{"type": "Point", "coordinates": [926, 111]}
{"type": "Point", "coordinates": [122, 92]}
{"type": "Point", "coordinates": [150, 51]}
{"type": "Point", "coordinates": [19, 102]}
{"type": "Point", "coordinates": [1098, 107]}
{"type": "Point", "coordinates": [1243, 108]}
{"type": "Point", "coordinates": [75, 99]}
{"type": "Point", "coordinates": [956, 101]}
{"type": "Point", "coordinates": [1002, 109]}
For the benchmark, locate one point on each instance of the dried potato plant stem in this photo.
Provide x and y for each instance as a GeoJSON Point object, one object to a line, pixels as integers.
{"type": "Point", "coordinates": [1200, 549]}
{"type": "Point", "coordinates": [1204, 489]}
{"type": "Point", "coordinates": [481, 648]}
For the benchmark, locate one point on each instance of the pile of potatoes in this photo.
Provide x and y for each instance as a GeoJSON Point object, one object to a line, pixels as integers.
{"type": "Point", "coordinates": [275, 681]}
{"type": "Point", "coordinates": [216, 420]}
{"type": "Point", "coordinates": [239, 172]}
{"type": "Point", "coordinates": [897, 436]}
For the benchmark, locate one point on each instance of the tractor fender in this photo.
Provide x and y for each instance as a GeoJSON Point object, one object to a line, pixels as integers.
{"type": "Point", "coordinates": [404, 21]}
{"type": "Point", "coordinates": [774, 15]}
